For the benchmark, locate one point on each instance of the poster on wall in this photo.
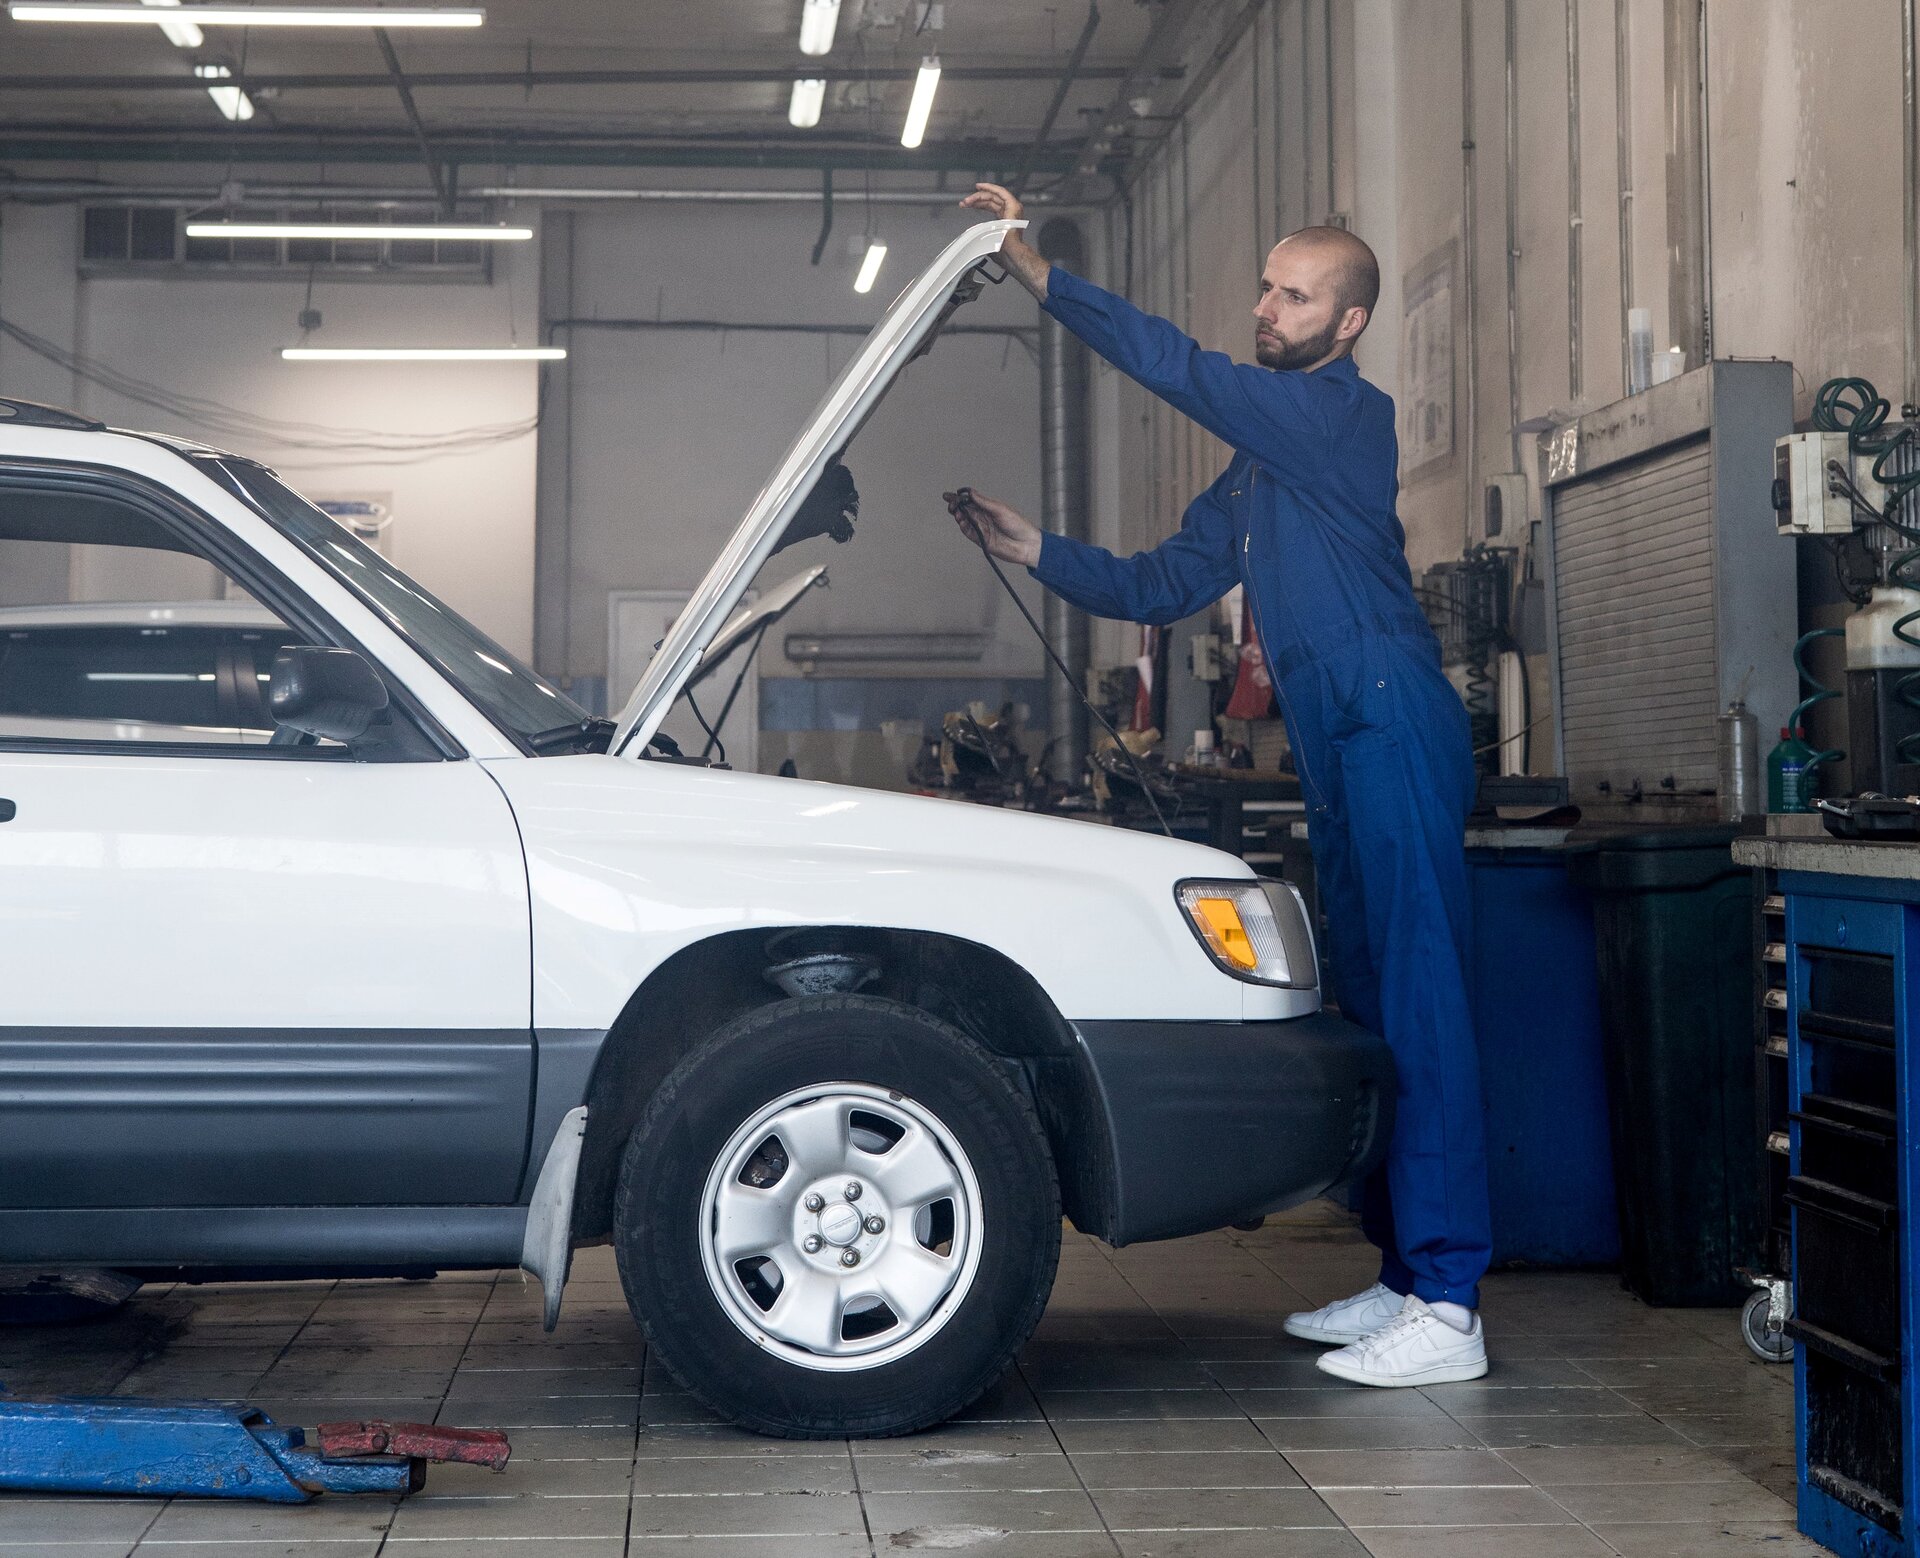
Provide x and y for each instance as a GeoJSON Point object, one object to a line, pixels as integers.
{"type": "Point", "coordinates": [1426, 365]}
{"type": "Point", "coordinates": [369, 515]}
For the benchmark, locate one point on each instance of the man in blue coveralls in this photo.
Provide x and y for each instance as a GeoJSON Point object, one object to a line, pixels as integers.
{"type": "Point", "coordinates": [1303, 517]}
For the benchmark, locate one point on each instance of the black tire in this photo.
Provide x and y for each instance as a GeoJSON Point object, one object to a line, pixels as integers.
{"type": "Point", "coordinates": [740, 1070]}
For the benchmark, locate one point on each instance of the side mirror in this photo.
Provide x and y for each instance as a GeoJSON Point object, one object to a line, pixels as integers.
{"type": "Point", "coordinates": [329, 693]}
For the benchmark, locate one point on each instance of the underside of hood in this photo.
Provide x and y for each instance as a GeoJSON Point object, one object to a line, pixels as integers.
{"type": "Point", "coordinates": [954, 278]}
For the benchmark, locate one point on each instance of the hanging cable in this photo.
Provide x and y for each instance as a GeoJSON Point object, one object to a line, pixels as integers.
{"type": "Point", "coordinates": [963, 498]}
{"type": "Point", "coordinates": [212, 416]}
{"type": "Point", "coordinates": [1852, 405]}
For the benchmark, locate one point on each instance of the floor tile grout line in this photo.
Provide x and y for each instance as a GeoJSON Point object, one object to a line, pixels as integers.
{"type": "Point", "coordinates": [1060, 1445]}
{"type": "Point", "coordinates": [633, 1463]}
{"type": "Point", "coordinates": [493, 1286]}
{"type": "Point", "coordinates": [860, 1499]}
{"type": "Point", "coordinates": [165, 1504]}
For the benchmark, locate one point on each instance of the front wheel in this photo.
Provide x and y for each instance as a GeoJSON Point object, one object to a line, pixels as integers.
{"type": "Point", "coordinates": [837, 1217]}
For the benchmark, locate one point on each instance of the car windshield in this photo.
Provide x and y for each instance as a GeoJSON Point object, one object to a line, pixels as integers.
{"type": "Point", "coordinates": [514, 697]}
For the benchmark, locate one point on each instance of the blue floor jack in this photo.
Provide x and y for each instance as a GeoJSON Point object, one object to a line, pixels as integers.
{"type": "Point", "coordinates": [219, 1449]}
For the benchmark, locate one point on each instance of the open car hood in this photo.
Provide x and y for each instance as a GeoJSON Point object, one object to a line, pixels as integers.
{"type": "Point", "coordinates": [952, 279]}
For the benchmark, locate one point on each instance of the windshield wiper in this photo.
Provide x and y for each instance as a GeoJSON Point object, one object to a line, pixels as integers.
{"type": "Point", "coordinates": [587, 735]}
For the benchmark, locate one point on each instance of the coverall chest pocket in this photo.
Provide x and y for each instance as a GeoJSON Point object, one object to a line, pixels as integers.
{"type": "Point", "coordinates": [1359, 688]}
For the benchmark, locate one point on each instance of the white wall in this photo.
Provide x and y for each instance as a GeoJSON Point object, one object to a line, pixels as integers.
{"type": "Point", "coordinates": [463, 521]}
{"type": "Point", "coordinates": [1804, 146]}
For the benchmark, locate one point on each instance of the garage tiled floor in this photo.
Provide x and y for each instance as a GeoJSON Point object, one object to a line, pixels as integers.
{"type": "Point", "coordinates": [1158, 1413]}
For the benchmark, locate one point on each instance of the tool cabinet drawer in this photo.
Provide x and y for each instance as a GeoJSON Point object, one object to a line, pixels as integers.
{"type": "Point", "coordinates": [1846, 1264]}
{"type": "Point", "coordinates": [1854, 1433]}
{"type": "Point", "coordinates": [1849, 924]}
{"type": "Point", "coordinates": [1847, 1144]}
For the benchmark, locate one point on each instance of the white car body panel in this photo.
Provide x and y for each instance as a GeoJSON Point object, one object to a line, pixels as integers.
{"type": "Point", "coordinates": [901, 332]}
{"type": "Point", "coordinates": [145, 891]}
{"type": "Point", "coordinates": [631, 862]}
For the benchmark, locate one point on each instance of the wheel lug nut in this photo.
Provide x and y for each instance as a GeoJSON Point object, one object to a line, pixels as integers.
{"type": "Point", "coordinates": [876, 1225]}
{"type": "Point", "coordinates": [853, 1190]}
{"type": "Point", "coordinates": [813, 1203]}
{"type": "Point", "coordinates": [811, 1244]}
{"type": "Point", "coordinates": [849, 1257]}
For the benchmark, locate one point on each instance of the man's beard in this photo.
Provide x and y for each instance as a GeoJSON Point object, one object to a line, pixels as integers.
{"type": "Point", "coordinates": [1272, 352]}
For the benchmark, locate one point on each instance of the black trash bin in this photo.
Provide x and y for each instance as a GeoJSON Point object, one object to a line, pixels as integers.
{"type": "Point", "coordinates": [1674, 941]}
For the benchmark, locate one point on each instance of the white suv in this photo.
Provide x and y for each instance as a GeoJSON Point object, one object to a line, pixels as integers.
{"type": "Point", "coordinates": [447, 973]}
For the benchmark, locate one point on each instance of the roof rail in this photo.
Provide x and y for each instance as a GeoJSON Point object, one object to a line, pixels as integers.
{"type": "Point", "coordinates": [31, 413]}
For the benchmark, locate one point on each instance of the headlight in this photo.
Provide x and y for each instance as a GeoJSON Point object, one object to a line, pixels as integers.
{"type": "Point", "coordinates": [1236, 923]}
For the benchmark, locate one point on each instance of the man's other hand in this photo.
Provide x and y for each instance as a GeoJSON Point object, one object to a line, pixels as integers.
{"type": "Point", "coordinates": [1003, 530]}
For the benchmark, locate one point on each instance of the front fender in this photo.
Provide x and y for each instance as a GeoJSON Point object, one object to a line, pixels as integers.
{"type": "Point", "coordinates": [630, 862]}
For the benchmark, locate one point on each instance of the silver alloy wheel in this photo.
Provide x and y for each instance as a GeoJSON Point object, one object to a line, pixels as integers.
{"type": "Point", "coordinates": [841, 1226]}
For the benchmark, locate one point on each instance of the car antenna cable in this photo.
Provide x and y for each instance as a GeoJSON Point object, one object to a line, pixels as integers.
{"type": "Point", "coordinates": [963, 498]}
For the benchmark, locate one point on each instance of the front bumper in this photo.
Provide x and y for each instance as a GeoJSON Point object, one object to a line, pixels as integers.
{"type": "Point", "coordinates": [1203, 1124]}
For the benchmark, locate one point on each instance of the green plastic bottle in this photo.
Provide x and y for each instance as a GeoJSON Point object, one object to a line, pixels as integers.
{"type": "Point", "coordinates": [1790, 781]}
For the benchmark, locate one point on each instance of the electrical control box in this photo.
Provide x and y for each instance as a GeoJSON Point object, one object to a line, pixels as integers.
{"type": "Point", "coordinates": [1811, 473]}
{"type": "Point", "coordinates": [1503, 511]}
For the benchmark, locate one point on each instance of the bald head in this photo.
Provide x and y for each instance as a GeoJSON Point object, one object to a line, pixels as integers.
{"type": "Point", "coordinates": [1354, 270]}
{"type": "Point", "coordinates": [1317, 293]}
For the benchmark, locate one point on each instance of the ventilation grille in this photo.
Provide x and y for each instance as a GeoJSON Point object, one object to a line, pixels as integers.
{"type": "Point", "coordinates": [118, 239]}
{"type": "Point", "coordinates": [1633, 559]}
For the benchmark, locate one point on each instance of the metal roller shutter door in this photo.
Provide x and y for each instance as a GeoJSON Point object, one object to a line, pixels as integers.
{"type": "Point", "coordinates": [1633, 558]}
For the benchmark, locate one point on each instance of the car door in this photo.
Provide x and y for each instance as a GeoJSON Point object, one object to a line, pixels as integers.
{"type": "Point", "coordinates": [238, 974]}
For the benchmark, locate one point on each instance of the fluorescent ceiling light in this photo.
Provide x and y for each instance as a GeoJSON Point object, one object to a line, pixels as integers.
{"type": "Point", "coordinates": [870, 267]}
{"type": "Point", "coordinates": [818, 18]}
{"type": "Point", "coordinates": [922, 105]}
{"type": "Point", "coordinates": [182, 35]}
{"type": "Point", "coordinates": [423, 353]}
{"type": "Point", "coordinates": [353, 229]}
{"type": "Point", "coordinates": [232, 102]}
{"type": "Point", "coordinates": [803, 113]}
{"type": "Point", "coordinates": [244, 15]}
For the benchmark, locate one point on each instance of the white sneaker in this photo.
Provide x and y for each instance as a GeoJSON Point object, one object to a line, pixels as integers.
{"type": "Point", "coordinates": [1416, 1347]}
{"type": "Point", "coordinates": [1347, 1319]}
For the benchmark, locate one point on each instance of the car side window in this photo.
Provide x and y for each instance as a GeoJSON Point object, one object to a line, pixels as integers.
{"type": "Point", "coordinates": [119, 628]}
{"type": "Point", "coordinates": [152, 676]}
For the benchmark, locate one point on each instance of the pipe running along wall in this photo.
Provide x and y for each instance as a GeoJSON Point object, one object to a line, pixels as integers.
{"type": "Point", "coordinates": [1065, 391]}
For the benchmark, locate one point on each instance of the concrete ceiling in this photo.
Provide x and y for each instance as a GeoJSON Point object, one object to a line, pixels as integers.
{"type": "Point", "coordinates": [125, 93]}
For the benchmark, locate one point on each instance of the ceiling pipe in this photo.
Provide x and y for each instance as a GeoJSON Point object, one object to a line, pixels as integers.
{"type": "Point", "coordinates": [1155, 62]}
{"type": "Point", "coordinates": [1910, 170]}
{"type": "Point", "coordinates": [195, 196]}
{"type": "Point", "coordinates": [1075, 63]}
{"type": "Point", "coordinates": [171, 143]}
{"type": "Point", "coordinates": [1469, 267]}
{"type": "Point", "coordinates": [1623, 159]}
{"type": "Point", "coordinates": [780, 75]}
{"type": "Point", "coordinates": [1688, 296]}
{"type": "Point", "coordinates": [436, 175]}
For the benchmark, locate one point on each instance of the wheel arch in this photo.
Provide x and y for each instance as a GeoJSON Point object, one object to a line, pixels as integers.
{"type": "Point", "coordinates": [979, 990]}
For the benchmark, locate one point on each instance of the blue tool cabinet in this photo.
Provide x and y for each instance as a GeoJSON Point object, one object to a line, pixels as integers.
{"type": "Point", "coordinates": [1851, 983]}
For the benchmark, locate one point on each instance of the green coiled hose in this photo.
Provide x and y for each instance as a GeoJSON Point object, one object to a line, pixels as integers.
{"type": "Point", "coordinates": [1820, 694]}
{"type": "Point", "coordinates": [1854, 407]}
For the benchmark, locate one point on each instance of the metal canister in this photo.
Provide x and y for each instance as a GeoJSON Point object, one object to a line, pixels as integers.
{"type": "Point", "coordinates": [1737, 745]}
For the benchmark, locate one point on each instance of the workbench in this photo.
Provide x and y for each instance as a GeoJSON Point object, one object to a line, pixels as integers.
{"type": "Point", "coordinates": [1846, 977]}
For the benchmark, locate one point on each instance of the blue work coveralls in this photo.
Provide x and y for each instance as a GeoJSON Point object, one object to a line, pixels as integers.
{"type": "Point", "coordinates": [1304, 518]}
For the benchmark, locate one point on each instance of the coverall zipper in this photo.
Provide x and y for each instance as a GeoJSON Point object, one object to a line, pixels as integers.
{"type": "Point", "coordinates": [1253, 605]}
